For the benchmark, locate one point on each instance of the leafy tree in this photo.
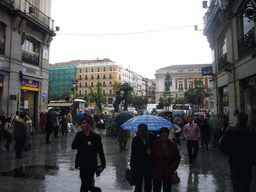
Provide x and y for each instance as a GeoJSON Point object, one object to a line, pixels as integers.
{"type": "Point", "coordinates": [197, 95]}
{"type": "Point", "coordinates": [139, 102]}
{"type": "Point", "coordinates": [165, 102]}
{"type": "Point", "coordinates": [179, 101]}
{"type": "Point", "coordinates": [64, 95]}
{"type": "Point", "coordinates": [116, 86]}
{"type": "Point", "coordinates": [97, 95]}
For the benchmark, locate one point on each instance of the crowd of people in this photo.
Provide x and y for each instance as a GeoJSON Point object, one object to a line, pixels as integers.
{"type": "Point", "coordinates": [155, 157]}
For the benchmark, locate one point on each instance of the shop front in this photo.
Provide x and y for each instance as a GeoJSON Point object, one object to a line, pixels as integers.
{"type": "Point", "coordinates": [29, 98]}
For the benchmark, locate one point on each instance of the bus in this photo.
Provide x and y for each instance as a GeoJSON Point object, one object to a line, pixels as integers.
{"type": "Point", "coordinates": [181, 109]}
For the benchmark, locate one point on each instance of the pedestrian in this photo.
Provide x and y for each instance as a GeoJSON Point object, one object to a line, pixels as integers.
{"type": "Point", "coordinates": [70, 120]}
{"type": "Point", "coordinates": [236, 112]}
{"type": "Point", "coordinates": [28, 121]}
{"type": "Point", "coordinates": [215, 129]}
{"type": "Point", "coordinates": [191, 133]}
{"type": "Point", "coordinates": [2, 122]}
{"type": "Point", "coordinates": [48, 129]}
{"type": "Point", "coordinates": [112, 125]}
{"type": "Point", "coordinates": [15, 117]}
{"type": "Point", "coordinates": [175, 133]}
{"type": "Point", "coordinates": [64, 125]}
{"type": "Point", "coordinates": [89, 145]}
{"type": "Point", "coordinates": [56, 126]}
{"type": "Point", "coordinates": [141, 158]}
{"type": "Point", "coordinates": [8, 130]}
{"type": "Point", "coordinates": [225, 124]}
{"type": "Point", "coordinates": [239, 144]}
{"type": "Point", "coordinates": [122, 137]}
{"type": "Point", "coordinates": [165, 161]}
{"type": "Point", "coordinates": [20, 134]}
{"type": "Point", "coordinates": [206, 132]}
{"type": "Point", "coordinates": [42, 123]}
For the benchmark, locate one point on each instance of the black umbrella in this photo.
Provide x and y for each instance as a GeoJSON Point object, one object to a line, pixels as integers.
{"type": "Point", "coordinates": [53, 113]}
{"type": "Point", "coordinates": [55, 109]}
{"type": "Point", "coordinates": [123, 117]}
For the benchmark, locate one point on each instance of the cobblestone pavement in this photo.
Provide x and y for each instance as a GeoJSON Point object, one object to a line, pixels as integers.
{"type": "Point", "coordinates": [51, 168]}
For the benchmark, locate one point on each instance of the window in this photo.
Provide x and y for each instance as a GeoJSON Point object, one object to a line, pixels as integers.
{"type": "Point", "coordinates": [110, 83]}
{"type": "Point", "coordinates": [180, 84]}
{"type": "Point", "coordinates": [110, 76]}
{"type": "Point", "coordinates": [98, 76]}
{"type": "Point", "coordinates": [110, 68]}
{"type": "Point", "coordinates": [110, 92]}
{"type": "Point", "coordinates": [104, 69]}
{"type": "Point", "coordinates": [92, 84]}
{"type": "Point", "coordinates": [190, 84]}
{"type": "Point", "coordinates": [80, 84]}
{"type": "Point", "coordinates": [80, 92]}
{"type": "Point", "coordinates": [85, 84]}
{"type": "Point", "coordinates": [92, 77]}
{"type": "Point", "coordinates": [85, 92]}
{"type": "Point", "coordinates": [80, 77]}
{"type": "Point", "coordinates": [104, 92]}
{"type": "Point", "coordinates": [104, 76]}
{"type": "Point", "coordinates": [223, 46]}
{"type": "Point", "coordinates": [86, 70]}
{"type": "Point", "coordinates": [2, 39]}
{"type": "Point", "coordinates": [85, 77]}
{"type": "Point", "coordinates": [80, 70]}
{"type": "Point", "coordinates": [98, 69]}
{"type": "Point", "coordinates": [30, 51]}
{"type": "Point", "coordinates": [104, 84]}
{"type": "Point", "coordinates": [91, 69]}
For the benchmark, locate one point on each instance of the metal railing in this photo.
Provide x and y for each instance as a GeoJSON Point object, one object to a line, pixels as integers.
{"type": "Point", "coordinates": [246, 44]}
{"type": "Point", "coordinates": [8, 2]}
{"type": "Point", "coordinates": [30, 58]}
{"type": "Point", "coordinates": [222, 62]}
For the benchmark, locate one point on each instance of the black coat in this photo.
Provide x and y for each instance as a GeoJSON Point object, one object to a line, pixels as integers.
{"type": "Point", "coordinates": [49, 125]}
{"type": "Point", "coordinates": [88, 148]}
{"type": "Point", "coordinates": [139, 157]}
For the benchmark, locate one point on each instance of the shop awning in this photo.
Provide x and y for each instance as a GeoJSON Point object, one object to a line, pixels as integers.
{"type": "Point", "coordinates": [60, 104]}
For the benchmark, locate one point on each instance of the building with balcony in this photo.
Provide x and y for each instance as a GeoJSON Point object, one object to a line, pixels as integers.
{"type": "Point", "coordinates": [26, 31]}
{"type": "Point", "coordinates": [182, 77]}
{"type": "Point", "coordinates": [230, 30]}
{"type": "Point", "coordinates": [89, 72]}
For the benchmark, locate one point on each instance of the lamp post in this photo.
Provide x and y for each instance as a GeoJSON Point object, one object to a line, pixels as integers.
{"type": "Point", "coordinates": [74, 92]}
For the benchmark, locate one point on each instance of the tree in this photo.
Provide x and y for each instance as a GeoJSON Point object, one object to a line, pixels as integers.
{"type": "Point", "coordinates": [97, 95]}
{"type": "Point", "coordinates": [64, 95]}
{"type": "Point", "coordinates": [165, 102]}
{"type": "Point", "coordinates": [139, 102]}
{"type": "Point", "coordinates": [197, 95]}
{"type": "Point", "coordinates": [116, 86]}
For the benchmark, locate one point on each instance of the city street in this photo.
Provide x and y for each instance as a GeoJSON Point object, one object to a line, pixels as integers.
{"type": "Point", "coordinates": [51, 168]}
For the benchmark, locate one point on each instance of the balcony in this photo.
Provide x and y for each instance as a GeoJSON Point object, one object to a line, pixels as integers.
{"type": "Point", "coordinates": [222, 62]}
{"type": "Point", "coordinates": [30, 58]}
{"type": "Point", "coordinates": [8, 2]}
{"type": "Point", "coordinates": [86, 78]}
{"type": "Point", "coordinates": [247, 44]}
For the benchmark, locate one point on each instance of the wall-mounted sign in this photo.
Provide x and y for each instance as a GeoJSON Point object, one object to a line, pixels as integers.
{"type": "Point", "coordinates": [44, 94]}
{"type": "Point", "coordinates": [207, 71]}
{"type": "Point", "coordinates": [1, 80]}
{"type": "Point", "coordinates": [30, 85]}
{"type": "Point", "coordinates": [45, 54]}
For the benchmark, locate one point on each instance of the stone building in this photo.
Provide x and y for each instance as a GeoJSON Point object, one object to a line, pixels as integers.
{"type": "Point", "coordinates": [182, 78]}
{"type": "Point", "coordinates": [230, 30]}
{"type": "Point", "coordinates": [26, 31]}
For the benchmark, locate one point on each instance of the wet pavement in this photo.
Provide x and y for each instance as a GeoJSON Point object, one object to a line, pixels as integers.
{"type": "Point", "coordinates": [51, 168]}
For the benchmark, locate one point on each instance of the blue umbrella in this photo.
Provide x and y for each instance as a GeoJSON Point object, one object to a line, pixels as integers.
{"type": "Point", "coordinates": [153, 122]}
{"type": "Point", "coordinates": [80, 116]}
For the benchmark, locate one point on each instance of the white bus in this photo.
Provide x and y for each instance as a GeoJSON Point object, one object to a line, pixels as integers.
{"type": "Point", "coordinates": [181, 108]}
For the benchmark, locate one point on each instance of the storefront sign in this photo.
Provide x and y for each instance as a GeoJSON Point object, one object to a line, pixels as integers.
{"type": "Point", "coordinates": [30, 85]}
{"type": "Point", "coordinates": [1, 80]}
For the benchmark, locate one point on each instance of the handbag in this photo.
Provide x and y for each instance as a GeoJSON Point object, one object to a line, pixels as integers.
{"type": "Point", "coordinates": [130, 177]}
{"type": "Point", "coordinates": [175, 178]}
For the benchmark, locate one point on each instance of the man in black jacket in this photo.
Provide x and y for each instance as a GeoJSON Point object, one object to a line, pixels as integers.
{"type": "Point", "coordinates": [141, 157]}
{"type": "Point", "coordinates": [89, 145]}
{"type": "Point", "coordinates": [239, 144]}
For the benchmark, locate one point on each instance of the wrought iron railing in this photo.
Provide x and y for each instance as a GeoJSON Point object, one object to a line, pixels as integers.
{"type": "Point", "coordinates": [246, 44]}
{"type": "Point", "coordinates": [8, 2]}
{"type": "Point", "coordinates": [222, 62]}
{"type": "Point", "coordinates": [35, 13]}
{"type": "Point", "coordinates": [30, 58]}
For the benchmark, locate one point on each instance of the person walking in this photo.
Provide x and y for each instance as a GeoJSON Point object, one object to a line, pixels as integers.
{"type": "Point", "coordinates": [239, 144]}
{"type": "Point", "coordinates": [56, 126]}
{"type": "Point", "coordinates": [49, 128]}
{"type": "Point", "coordinates": [122, 137]}
{"type": "Point", "coordinates": [8, 130]}
{"type": "Point", "coordinates": [15, 117]}
{"type": "Point", "coordinates": [141, 158]}
{"type": "Point", "coordinates": [20, 134]}
{"type": "Point", "coordinates": [70, 120]}
{"type": "Point", "coordinates": [206, 132]}
{"type": "Point", "coordinates": [2, 123]}
{"type": "Point", "coordinates": [112, 125]}
{"type": "Point", "coordinates": [191, 133]}
{"type": "Point", "coordinates": [64, 126]}
{"type": "Point", "coordinates": [89, 145]}
{"type": "Point", "coordinates": [165, 160]}
{"type": "Point", "coordinates": [215, 129]}
{"type": "Point", "coordinates": [42, 123]}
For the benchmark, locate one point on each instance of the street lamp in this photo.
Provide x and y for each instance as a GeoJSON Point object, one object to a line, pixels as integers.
{"type": "Point", "coordinates": [74, 87]}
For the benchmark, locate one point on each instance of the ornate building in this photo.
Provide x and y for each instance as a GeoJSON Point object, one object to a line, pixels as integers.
{"type": "Point", "coordinates": [26, 31]}
{"type": "Point", "coordinates": [182, 77]}
{"type": "Point", "coordinates": [230, 30]}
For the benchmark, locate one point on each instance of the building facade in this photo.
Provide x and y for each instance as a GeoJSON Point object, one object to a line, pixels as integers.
{"type": "Point", "coordinates": [182, 78]}
{"type": "Point", "coordinates": [89, 72]}
{"type": "Point", "coordinates": [26, 31]}
{"type": "Point", "coordinates": [61, 79]}
{"type": "Point", "coordinates": [230, 30]}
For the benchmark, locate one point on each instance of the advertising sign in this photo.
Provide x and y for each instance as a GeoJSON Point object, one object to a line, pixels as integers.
{"type": "Point", "coordinates": [30, 85]}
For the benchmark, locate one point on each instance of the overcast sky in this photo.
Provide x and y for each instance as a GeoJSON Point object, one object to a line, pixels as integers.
{"type": "Point", "coordinates": [144, 35]}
